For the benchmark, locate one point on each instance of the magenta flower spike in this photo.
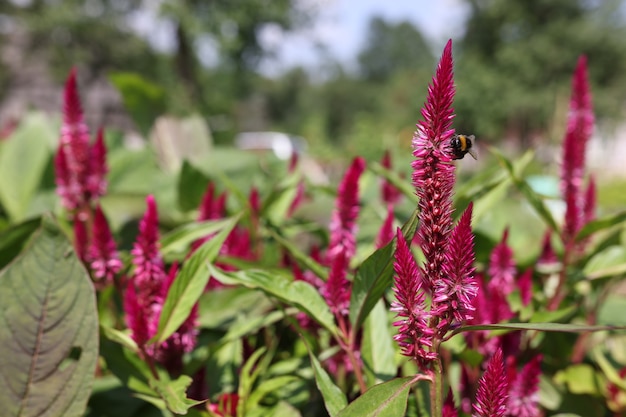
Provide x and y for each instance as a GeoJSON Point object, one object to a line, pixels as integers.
{"type": "Point", "coordinates": [433, 174]}
{"type": "Point", "coordinates": [524, 391]}
{"type": "Point", "coordinates": [385, 234]}
{"type": "Point", "coordinates": [390, 194]}
{"type": "Point", "coordinates": [590, 201]}
{"type": "Point", "coordinates": [343, 225]}
{"type": "Point", "coordinates": [414, 336]}
{"type": "Point", "coordinates": [149, 273]}
{"type": "Point", "coordinates": [456, 289]}
{"type": "Point", "coordinates": [81, 239]}
{"type": "Point", "coordinates": [72, 168]}
{"type": "Point", "coordinates": [212, 207]}
{"type": "Point", "coordinates": [96, 179]}
{"type": "Point", "coordinates": [547, 255]}
{"type": "Point", "coordinates": [491, 397]}
{"type": "Point", "coordinates": [525, 285]}
{"type": "Point", "coordinates": [342, 244]}
{"type": "Point", "coordinates": [580, 122]}
{"type": "Point", "coordinates": [502, 266]}
{"type": "Point", "coordinates": [103, 256]}
{"type": "Point", "coordinates": [449, 410]}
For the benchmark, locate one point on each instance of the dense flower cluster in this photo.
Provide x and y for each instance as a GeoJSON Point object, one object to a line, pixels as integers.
{"type": "Point", "coordinates": [447, 273]}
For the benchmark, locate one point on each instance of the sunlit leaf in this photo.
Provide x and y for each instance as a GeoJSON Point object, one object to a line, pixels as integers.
{"type": "Point", "coordinates": [190, 283]}
{"type": "Point", "coordinates": [384, 400]}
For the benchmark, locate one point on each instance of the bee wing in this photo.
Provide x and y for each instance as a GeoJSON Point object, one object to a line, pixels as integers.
{"type": "Point", "coordinates": [473, 152]}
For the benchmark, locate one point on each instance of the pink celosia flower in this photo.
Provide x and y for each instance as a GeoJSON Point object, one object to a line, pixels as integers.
{"type": "Point", "coordinates": [525, 285]}
{"type": "Point", "coordinates": [524, 391]}
{"type": "Point", "coordinates": [342, 244]}
{"type": "Point", "coordinates": [449, 410]}
{"type": "Point", "coordinates": [433, 174]}
{"type": "Point", "coordinates": [79, 167]}
{"type": "Point", "coordinates": [385, 234]}
{"type": "Point", "coordinates": [580, 122]}
{"type": "Point", "coordinates": [391, 195]}
{"type": "Point", "coordinates": [149, 271]}
{"type": "Point", "coordinates": [146, 292]}
{"type": "Point", "coordinates": [491, 398]}
{"type": "Point", "coordinates": [226, 405]}
{"type": "Point", "coordinates": [211, 207]}
{"type": "Point", "coordinates": [343, 221]}
{"type": "Point", "coordinates": [81, 239]}
{"type": "Point", "coordinates": [103, 256]}
{"type": "Point", "coordinates": [547, 255]}
{"type": "Point", "coordinates": [413, 331]}
{"type": "Point", "coordinates": [589, 202]}
{"type": "Point", "coordinates": [455, 291]}
{"type": "Point", "coordinates": [502, 266]}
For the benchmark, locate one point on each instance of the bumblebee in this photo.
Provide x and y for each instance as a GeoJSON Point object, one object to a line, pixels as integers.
{"type": "Point", "coordinates": [461, 145]}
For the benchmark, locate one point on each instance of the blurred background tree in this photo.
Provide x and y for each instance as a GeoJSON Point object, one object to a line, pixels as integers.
{"type": "Point", "coordinates": [517, 60]}
{"type": "Point", "coordinates": [514, 63]}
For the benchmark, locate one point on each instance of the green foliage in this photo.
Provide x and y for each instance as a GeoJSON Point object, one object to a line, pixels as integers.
{"type": "Point", "coordinates": [48, 329]}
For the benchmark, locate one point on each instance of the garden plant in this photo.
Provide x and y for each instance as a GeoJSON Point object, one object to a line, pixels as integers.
{"type": "Point", "coordinates": [225, 287]}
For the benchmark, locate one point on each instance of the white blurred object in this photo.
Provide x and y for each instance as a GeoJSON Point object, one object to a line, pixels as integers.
{"type": "Point", "coordinates": [282, 144]}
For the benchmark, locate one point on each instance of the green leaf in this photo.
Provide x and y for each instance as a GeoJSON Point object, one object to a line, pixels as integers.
{"type": "Point", "coordinates": [306, 261]}
{"type": "Point", "coordinates": [610, 262]}
{"type": "Point", "coordinates": [277, 204]}
{"type": "Point", "coordinates": [334, 399]}
{"type": "Point", "coordinates": [190, 284]}
{"type": "Point", "coordinates": [173, 393]}
{"type": "Point", "coordinates": [192, 184]}
{"type": "Point", "coordinates": [179, 239]}
{"type": "Point", "coordinates": [544, 327]}
{"type": "Point", "coordinates": [23, 160]}
{"type": "Point", "coordinates": [13, 238]}
{"type": "Point", "coordinates": [601, 224]}
{"type": "Point", "coordinates": [580, 379]}
{"type": "Point", "coordinates": [267, 387]}
{"type": "Point", "coordinates": [533, 198]}
{"type": "Point", "coordinates": [383, 400]}
{"type": "Point", "coordinates": [299, 294]}
{"type": "Point", "coordinates": [48, 329]}
{"type": "Point", "coordinates": [119, 337]}
{"type": "Point", "coordinates": [377, 346]}
{"type": "Point", "coordinates": [374, 277]}
{"type": "Point", "coordinates": [127, 366]}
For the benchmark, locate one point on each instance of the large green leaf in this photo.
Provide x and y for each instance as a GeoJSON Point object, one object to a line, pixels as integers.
{"type": "Point", "coordinates": [374, 276]}
{"type": "Point", "coordinates": [601, 224]}
{"type": "Point", "coordinates": [23, 160]}
{"type": "Point", "coordinates": [377, 346]}
{"type": "Point", "coordinates": [48, 330]}
{"type": "Point", "coordinates": [13, 238]}
{"type": "Point", "coordinates": [173, 392]}
{"type": "Point", "coordinates": [179, 239]}
{"type": "Point", "coordinates": [383, 400]}
{"type": "Point", "coordinates": [334, 399]}
{"type": "Point", "coordinates": [299, 294]}
{"type": "Point", "coordinates": [190, 283]}
{"type": "Point", "coordinates": [609, 262]}
{"type": "Point", "coordinates": [543, 327]}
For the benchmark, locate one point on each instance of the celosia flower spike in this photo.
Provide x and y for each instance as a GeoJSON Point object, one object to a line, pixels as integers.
{"type": "Point", "coordinates": [413, 331]}
{"type": "Point", "coordinates": [524, 391]}
{"type": "Point", "coordinates": [502, 266]}
{"type": "Point", "coordinates": [433, 174]}
{"type": "Point", "coordinates": [343, 220]}
{"type": "Point", "coordinates": [580, 122]}
{"type": "Point", "coordinates": [81, 239]}
{"type": "Point", "coordinates": [449, 410]}
{"type": "Point", "coordinates": [455, 291]}
{"type": "Point", "coordinates": [491, 397]}
{"type": "Point", "coordinates": [589, 202]}
{"type": "Point", "coordinates": [103, 256]}
{"type": "Point", "coordinates": [342, 244]}
{"type": "Point", "coordinates": [390, 194]}
{"type": "Point", "coordinates": [385, 234]}
{"type": "Point", "coordinates": [96, 180]}
{"type": "Point", "coordinates": [74, 144]}
{"type": "Point", "coordinates": [149, 271]}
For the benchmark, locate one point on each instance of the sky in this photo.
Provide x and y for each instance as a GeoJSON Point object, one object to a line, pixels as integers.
{"type": "Point", "coordinates": [341, 27]}
{"type": "Point", "coordinates": [338, 30]}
